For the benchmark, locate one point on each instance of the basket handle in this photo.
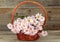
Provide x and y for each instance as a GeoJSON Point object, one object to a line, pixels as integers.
{"type": "Point", "coordinates": [33, 2]}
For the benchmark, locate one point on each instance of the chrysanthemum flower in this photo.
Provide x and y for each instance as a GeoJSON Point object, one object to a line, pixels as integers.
{"type": "Point", "coordinates": [10, 26]}
{"type": "Point", "coordinates": [29, 20]}
{"type": "Point", "coordinates": [15, 30]}
{"type": "Point", "coordinates": [40, 28]}
{"type": "Point", "coordinates": [34, 32]}
{"type": "Point", "coordinates": [18, 19]}
{"type": "Point", "coordinates": [35, 22]}
{"type": "Point", "coordinates": [26, 31]}
{"type": "Point", "coordinates": [44, 33]}
{"type": "Point", "coordinates": [38, 16]}
{"type": "Point", "coordinates": [42, 19]}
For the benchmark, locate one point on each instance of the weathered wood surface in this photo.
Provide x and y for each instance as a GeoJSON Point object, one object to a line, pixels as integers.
{"type": "Point", "coordinates": [7, 36]}
{"type": "Point", "coordinates": [13, 3]}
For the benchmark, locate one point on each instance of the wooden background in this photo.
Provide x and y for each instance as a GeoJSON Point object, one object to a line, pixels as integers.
{"type": "Point", "coordinates": [52, 7]}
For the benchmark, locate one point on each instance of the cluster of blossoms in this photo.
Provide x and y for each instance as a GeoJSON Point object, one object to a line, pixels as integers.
{"type": "Point", "coordinates": [29, 25]}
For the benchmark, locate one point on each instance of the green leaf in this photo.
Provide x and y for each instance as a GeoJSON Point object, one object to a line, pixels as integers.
{"type": "Point", "coordinates": [21, 16]}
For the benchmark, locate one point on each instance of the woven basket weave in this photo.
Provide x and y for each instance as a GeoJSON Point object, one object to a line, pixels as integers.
{"type": "Point", "coordinates": [22, 36]}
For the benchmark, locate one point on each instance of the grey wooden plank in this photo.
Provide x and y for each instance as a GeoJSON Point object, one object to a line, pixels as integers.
{"type": "Point", "coordinates": [11, 3]}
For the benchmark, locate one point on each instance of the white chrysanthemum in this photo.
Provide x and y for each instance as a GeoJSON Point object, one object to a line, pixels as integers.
{"type": "Point", "coordinates": [23, 24]}
{"type": "Point", "coordinates": [19, 19]}
{"type": "Point", "coordinates": [35, 22]}
{"type": "Point", "coordinates": [10, 26]}
{"type": "Point", "coordinates": [33, 17]}
{"type": "Point", "coordinates": [19, 28]}
{"type": "Point", "coordinates": [44, 33]}
{"type": "Point", "coordinates": [41, 23]}
{"type": "Point", "coordinates": [26, 31]}
{"type": "Point", "coordinates": [25, 21]}
{"type": "Point", "coordinates": [15, 22]}
{"type": "Point", "coordinates": [15, 30]}
{"type": "Point", "coordinates": [31, 28]}
{"type": "Point", "coordinates": [34, 32]}
{"type": "Point", "coordinates": [40, 28]}
{"type": "Point", "coordinates": [29, 20]}
{"type": "Point", "coordinates": [40, 17]}
{"type": "Point", "coordinates": [15, 26]}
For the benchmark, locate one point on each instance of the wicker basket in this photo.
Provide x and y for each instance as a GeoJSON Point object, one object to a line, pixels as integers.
{"type": "Point", "coordinates": [22, 36]}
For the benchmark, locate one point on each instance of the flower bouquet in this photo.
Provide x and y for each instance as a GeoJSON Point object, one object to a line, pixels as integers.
{"type": "Point", "coordinates": [28, 28]}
